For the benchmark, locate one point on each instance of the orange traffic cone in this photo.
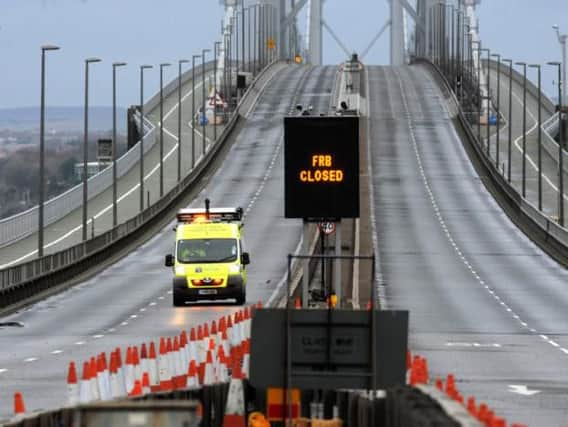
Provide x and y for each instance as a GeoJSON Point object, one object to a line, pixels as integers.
{"type": "Point", "coordinates": [19, 407]}
{"type": "Point", "coordinates": [137, 389]}
{"type": "Point", "coordinates": [297, 302]}
{"type": "Point", "coordinates": [164, 372]}
{"type": "Point", "coordinates": [153, 369]}
{"type": "Point", "coordinates": [192, 376]}
{"type": "Point", "coordinates": [235, 406]}
{"type": "Point", "coordinates": [145, 383]}
{"type": "Point", "coordinates": [72, 385]}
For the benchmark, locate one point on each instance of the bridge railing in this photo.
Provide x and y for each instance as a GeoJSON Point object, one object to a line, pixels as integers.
{"type": "Point", "coordinates": [24, 224]}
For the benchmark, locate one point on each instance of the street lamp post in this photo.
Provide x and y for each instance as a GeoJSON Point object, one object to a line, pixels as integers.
{"type": "Point", "coordinates": [193, 109]}
{"type": "Point", "coordinates": [216, 47]}
{"type": "Point", "coordinates": [562, 38]}
{"type": "Point", "coordinates": [498, 110]}
{"type": "Point", "coordinates": [510, 119]}
{"type": "Point", "coordinates": [180, 63]}
{"type": "Point", "coordinates": [560, 148]}
{"type": "Point", "coordinates": [524, 162]}
{"type": "Point", "coordinates": [488, 115]}
{"type": "Point", "coordinates": [539, 159]}
{"type": "Point", "coordinates": [203, 102]}
{"type": "Point", "coordinates": [142, 68]}
{"type": "Point", "coordinates": [42, 149]}
{"type": "Point", "coordinates": [88, 61]}
{"type": "Point", "coordinates": [162, 66]}
{"type": "Point", "coordinates": [243, 35]}
{"type": "Point", "coordinates": [115, 65]}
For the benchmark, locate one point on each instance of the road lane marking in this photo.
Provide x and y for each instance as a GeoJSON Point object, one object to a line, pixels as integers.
{"type": "Point", "coordinates": [434, 203]}
{"type": "Point", "coordinates": [57, 352]}
{"type": "Point", "coordinates": [3, 370]}
{"type": "Point", "coordinates": [80, 343]}
{"type": "Point", "coordinates": [98, 336]}
{"type": "Point", "coordinates": [31, 359]}
{"type": "Point", "coordinates": [522, 389]}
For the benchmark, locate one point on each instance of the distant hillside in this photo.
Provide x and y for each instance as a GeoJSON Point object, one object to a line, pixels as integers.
{"type": "Point", "coordinates": [61, 118]}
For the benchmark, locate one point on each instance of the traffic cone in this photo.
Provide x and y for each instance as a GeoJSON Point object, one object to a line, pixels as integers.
{"type": "Point", "coordinates": [129, 374]}
{"type": "Point", "coordinates": [101, 379]}
{"type": "Point", "coordinates": [471, 406]}
{"type": "Point", "coordinates": [192, 376]}
{"type": "Point", "coordinates": [136, 363]}
{"type": "Point", "coordinates": [236, 372]}
{"type": "Point", "coordinates": [246, 360]}
{"type": "Point", "coordinates": [297, 302]}
{"type": "Point", "coordinates": [93, 379]}
{"type": "Point", "coordinates": [369, 305]}
{"type": "Point", "coordinates": [164, 373]}
{"type": "Point", "coordinates": [85, 395]}
{"type": "Point", "coordinates": [19, 407]}
{"type": "Point", "coordinates": [235, 407]}
{"type": "Point", "coordinates": [72, 385]}
{"type": "Point", "coordinates": [153, 369]}
{"type": "Point", "coordinates": [120, 371]}
{"type": "Point", "coordinates": [116, 387]}
{"type": "Point", "coordinates": [209, 374]}
{"type": "Point", "coordinates": [184, 351]}
{"type": "Point", "coordinates": [137, 389]}
{"type": "Point", "coordinates": [221, 369]}
{"type": "Point", "coordinates": [439, 384]}
{"type": "Point", "coordinates": [192, 347]}
{"type": "Point", "coordinates": [450, 385]}
{"type": "Point", "coordinates": [179, 371]}
{"type": "Point", "coordinates": [144, 361]}
{"type": "Point", "coordinates": [146, 383]}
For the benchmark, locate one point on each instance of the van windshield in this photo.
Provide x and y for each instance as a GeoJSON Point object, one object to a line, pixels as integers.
{"type": "Point", "coordinates": [197, 251]}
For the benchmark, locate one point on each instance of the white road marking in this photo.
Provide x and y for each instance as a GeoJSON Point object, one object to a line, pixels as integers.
{"type": "Point", "coordinates": [522, 389]}
{"type": "Point", "coordinates": [80, 343]}
{"type": "Point", "coordinates": [3, 370]}
{"type": "Point", "coordinates": [31, 359]}
{"type": "Point", "coordinates": [124, 323]}
{"type": "Point", "coordinates": [152, 304]}
{"type": "Point", "coordinates": [98, 336]}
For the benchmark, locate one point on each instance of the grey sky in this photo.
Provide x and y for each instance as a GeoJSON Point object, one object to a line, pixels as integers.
{"type": "Point", "coordinates": [150, 31]}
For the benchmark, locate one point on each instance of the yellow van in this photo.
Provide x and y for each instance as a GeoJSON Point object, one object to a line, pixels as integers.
{"type": "Point", "coordinates": [209, 262]}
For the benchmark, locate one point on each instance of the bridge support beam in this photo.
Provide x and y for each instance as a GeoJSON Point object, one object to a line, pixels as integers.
{"type": "Point", "coordinates": [397, 49]}
{"type": "Point", "coordinates": [315, 27]}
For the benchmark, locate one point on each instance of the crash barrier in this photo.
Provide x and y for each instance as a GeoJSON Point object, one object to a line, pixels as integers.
{"type": "Point", "coordinates": [543, 230]}
{"type": "Point", "coordinates": [25, 223]}
{"type": "Point", "coordinates": [210, 365]}
{"type": "Point", "coordinates": [24, 280]}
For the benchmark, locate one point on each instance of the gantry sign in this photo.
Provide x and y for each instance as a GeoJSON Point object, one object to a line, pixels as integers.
{"type": "Point", "coordinates": [321, 162]}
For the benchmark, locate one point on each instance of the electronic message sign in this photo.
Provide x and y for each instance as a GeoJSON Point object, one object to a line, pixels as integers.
{"type": "Point", "coordinates": [321, 163]}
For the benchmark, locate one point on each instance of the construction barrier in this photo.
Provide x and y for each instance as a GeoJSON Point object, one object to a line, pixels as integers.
{"type": "Point", "coordinates": [209, 366]}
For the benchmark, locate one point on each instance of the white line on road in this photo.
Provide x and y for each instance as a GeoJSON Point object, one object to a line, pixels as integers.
{"type": "Point", "coordinates": [3, 370]}
{"type": "Point", "coordinates": [30, 359]}
{"type": "Point", "coordinates": [80, 343]}
{"type": "Point", "coordinates": [57, 352]}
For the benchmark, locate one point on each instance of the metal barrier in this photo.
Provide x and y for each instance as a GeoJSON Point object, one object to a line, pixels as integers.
{"type": "Point", "coordinates": [25, 223]}
{"type": "Point", "coordinates": [24, 280]}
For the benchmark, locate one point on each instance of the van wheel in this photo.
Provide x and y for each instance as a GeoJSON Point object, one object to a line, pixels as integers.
{"type": "Point", "coordinates": [178, 300]}
{"type": "Point", "coordinates": [241, 298]}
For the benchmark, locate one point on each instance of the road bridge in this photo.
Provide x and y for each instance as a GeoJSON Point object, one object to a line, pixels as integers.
{"type": "Point", "coordinates": [486, 303]}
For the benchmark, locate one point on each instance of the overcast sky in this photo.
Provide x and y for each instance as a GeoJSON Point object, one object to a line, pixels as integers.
{"type": "Point", "coordinates": [151, 31]}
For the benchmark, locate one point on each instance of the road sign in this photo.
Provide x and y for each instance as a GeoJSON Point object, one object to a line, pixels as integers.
{"type": "Point", "coordinates": [271, 43]}
{"type": "Point", "coordinates": [321, 164]}
{"type": "Point", "coordinates": [327, 227]}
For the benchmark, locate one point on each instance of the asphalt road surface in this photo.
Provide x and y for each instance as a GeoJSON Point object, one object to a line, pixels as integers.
{"type": "Point", "coordinates": [485, 303]}
{"type": "Point", "coordinates": [131, 302]}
